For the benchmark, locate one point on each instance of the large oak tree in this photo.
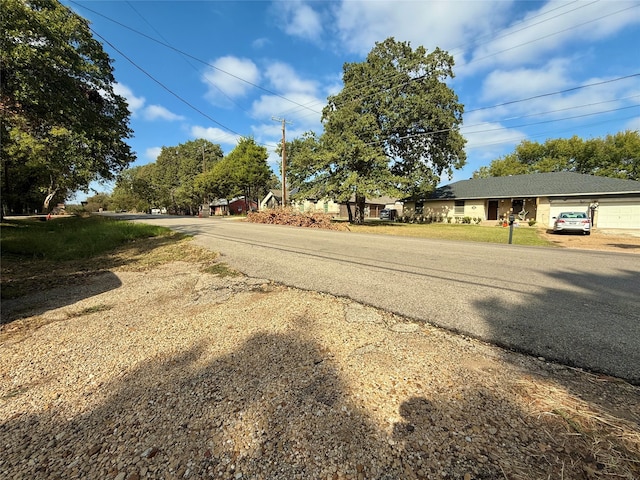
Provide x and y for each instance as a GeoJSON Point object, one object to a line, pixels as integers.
{"type": "Point", "coordinates": [63, 126]}
{"type": "Point", "coordinates": [393, 129]}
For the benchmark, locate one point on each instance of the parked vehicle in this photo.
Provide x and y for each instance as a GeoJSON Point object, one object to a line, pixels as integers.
{"type": "Point", "coordinates": [388, 214]}
{"type": "Point", "coordinates": [572, 222]}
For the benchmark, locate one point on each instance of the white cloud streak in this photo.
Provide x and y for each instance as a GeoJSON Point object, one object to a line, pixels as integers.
{"type": "Point", "coordinates": [230, 79]}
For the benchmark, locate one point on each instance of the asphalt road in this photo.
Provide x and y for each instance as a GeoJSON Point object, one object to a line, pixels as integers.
{"type": "Point", "coordinates": [580, 308]}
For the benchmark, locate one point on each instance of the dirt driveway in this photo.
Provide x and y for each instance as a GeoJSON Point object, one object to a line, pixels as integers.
{"type": "Point", "coordinates": [620, 241]}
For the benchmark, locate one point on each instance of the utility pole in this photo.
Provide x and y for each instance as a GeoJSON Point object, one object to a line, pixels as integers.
{"type": "Point", "coordinates": [284, 159]}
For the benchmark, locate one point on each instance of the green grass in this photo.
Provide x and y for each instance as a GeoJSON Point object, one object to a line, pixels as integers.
{"type": "Point", "coordinates": [71, 238]}
{"type": "Point", "coordinates": [39, 255]}
{"type": "Point", "coordinates": [462, 232]}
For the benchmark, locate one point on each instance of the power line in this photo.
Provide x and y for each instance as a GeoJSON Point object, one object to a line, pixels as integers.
{"type": "Point", "coordinates": [371, 82]}
{"type": "Point", "coordinates": [541, 134]}
{"type": "Point", "coordinates": [446, 130]}
{"type": "Point", "coordinates": [553, 34]}
{"type": "Point", "coordinates": [388, 77]}
{"type": "Point", "coordinates": [186, 102]}
{"type": "Point", "coordinates": [192, 57]}
{"type": "Point", "coordinates": [594, 84]}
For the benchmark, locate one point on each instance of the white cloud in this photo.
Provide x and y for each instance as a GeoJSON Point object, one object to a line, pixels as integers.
{"type": "Point", "coordinates": [214, 135]}
{"type": "Point", "coordinates": [284, 78]}
{"type": "Point", "coordinates": [525, 82]}
{"type": "Point", "coordinates": [443, 24]}
{"type": "Point", "coordinates": [230, 78]}
{"type": "Point", "coordinates": [553, 27]}
{"type": "Point", "coordinates": [155, 112]}
{"type": "Point", "coordinates": [599, 96]}
{"type": "Point", "coordinates": [305, 111]}
{"type": "Point", "coordinates": [137, 106]}
{"type": "Point", "coordinates": [261, 42]}
{"type": "Point", "coordinates": [152, 153]}
{"type": "Point", "coordinates": [300, 20]}
{"type": "Point", "coordinates": [486, 136]}
{"type": "Point", "coordinates": [135, 103]}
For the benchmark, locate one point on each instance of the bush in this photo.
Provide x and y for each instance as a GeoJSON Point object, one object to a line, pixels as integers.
{"type": "Point", "coordinates": [532, 223]}
{"type": "Point", "coordinates": [466, 220]}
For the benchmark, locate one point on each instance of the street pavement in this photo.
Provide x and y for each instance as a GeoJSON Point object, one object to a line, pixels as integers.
{"type": "Point", "coordinates": [579, 308]}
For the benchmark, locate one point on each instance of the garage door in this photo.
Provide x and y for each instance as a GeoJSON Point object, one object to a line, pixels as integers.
{"type": "Point", "coordinates": [618, 215]}
{"type": "Point", "coordinates": [559, 206]}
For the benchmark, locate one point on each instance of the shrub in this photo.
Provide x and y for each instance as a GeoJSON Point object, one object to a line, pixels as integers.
{"type": "Point", "coordinates": [532, 223]}
{"type": "Point", "coordinates": [466, 220]}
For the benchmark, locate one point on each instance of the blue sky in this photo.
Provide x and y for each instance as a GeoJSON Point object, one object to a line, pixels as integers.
{"type": "Point", "coordinates": [219, 69]}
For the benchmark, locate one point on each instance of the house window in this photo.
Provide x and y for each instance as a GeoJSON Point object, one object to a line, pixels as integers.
{"type": "Point", "coordinates": [459, 207]}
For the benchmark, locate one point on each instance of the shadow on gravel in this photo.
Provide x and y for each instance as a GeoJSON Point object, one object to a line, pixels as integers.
{"type": "Point", "coordinates": [278, 407]}
{"type": "Point", "coordinates": [40, 302]}
{"type": "Point", "coordinates": [33, 287]}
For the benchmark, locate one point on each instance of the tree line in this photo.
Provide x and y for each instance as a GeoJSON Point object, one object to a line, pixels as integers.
{"type": "Point", "coordinates": [191, 174]}
{"type": "Point", "coordinates": [616, 156]}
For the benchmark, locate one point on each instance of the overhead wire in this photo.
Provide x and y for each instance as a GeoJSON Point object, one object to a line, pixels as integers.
{"type": "Point", "coordinates": [259, 87]}
{"type": "Point", "coordinates": [186, 102]}
{"type": "Point", "coordinates": [188, 63]}
{"type": "Point", "coordinates": [494, 37]}
{"type": "Point", "coordinates": [388, 77]}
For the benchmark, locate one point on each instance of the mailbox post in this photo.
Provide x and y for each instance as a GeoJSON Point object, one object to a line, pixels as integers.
{"type": "Point", "coordinates": [512, 218]}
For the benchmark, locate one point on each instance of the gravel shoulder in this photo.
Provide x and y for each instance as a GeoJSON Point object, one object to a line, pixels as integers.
{"type": "Point", "coordinates": [170, 372]}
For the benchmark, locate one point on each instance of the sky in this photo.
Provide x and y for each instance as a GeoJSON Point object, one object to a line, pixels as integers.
{"type": "Point", "coordinates": [219, 70]}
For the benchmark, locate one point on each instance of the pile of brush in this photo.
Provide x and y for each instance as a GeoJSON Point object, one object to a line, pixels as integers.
{"type": "Point", "coordinates": [293, 217]}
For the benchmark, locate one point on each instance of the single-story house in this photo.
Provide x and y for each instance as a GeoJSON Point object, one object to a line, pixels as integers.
{"type": "Point", "coordinates": [610, 202]}
{"type": "Point", "coordinates": [237, 205]}
{"type": "Point", "coordinates": [372, 206]}
{"type": "Point", "coordinates": [273, 199]}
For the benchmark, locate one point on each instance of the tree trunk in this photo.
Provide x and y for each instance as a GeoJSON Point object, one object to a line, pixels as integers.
{"type": "Point", "coordinates": [360, 203]}
{"type": "Point", "coordinates": [349, 212]}
{"type": "Point", "coordinates": [47, 201]}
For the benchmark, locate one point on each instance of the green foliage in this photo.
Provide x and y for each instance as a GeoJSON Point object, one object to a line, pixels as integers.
{"type": "Point", "coordinates": [393, 129]}
{"type": "Point", "coordinates": [173, 181]}
{"type": "Point", "coordinates": [616, 156]}
{"type": "Point", "coordinates": [244, 171]}
{"type": "Point", "coordinates": [72, 237]}
{"type": "Point", "coordinates": [63, 126]}
{"type": "Point", "coordinates": [101, 201]}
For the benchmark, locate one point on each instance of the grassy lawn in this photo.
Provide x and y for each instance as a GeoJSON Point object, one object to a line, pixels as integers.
{"type": "Point", "coordinates": [71, 238]}
{"type": "Point", "coordinates": [37, 255]}
{"type": "Point", "coordinates": [469, 233]}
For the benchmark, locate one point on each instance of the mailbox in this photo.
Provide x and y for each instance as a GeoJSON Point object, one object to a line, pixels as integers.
{"type": "Point", "coordinates": [512, 218]}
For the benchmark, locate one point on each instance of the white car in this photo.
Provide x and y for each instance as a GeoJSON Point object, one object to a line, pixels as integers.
{"type": "Point", "coordinates": [572, 222]}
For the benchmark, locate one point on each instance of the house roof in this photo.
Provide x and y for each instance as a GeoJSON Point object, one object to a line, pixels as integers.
{"type": "Point", "coordinates": [554, 184]}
